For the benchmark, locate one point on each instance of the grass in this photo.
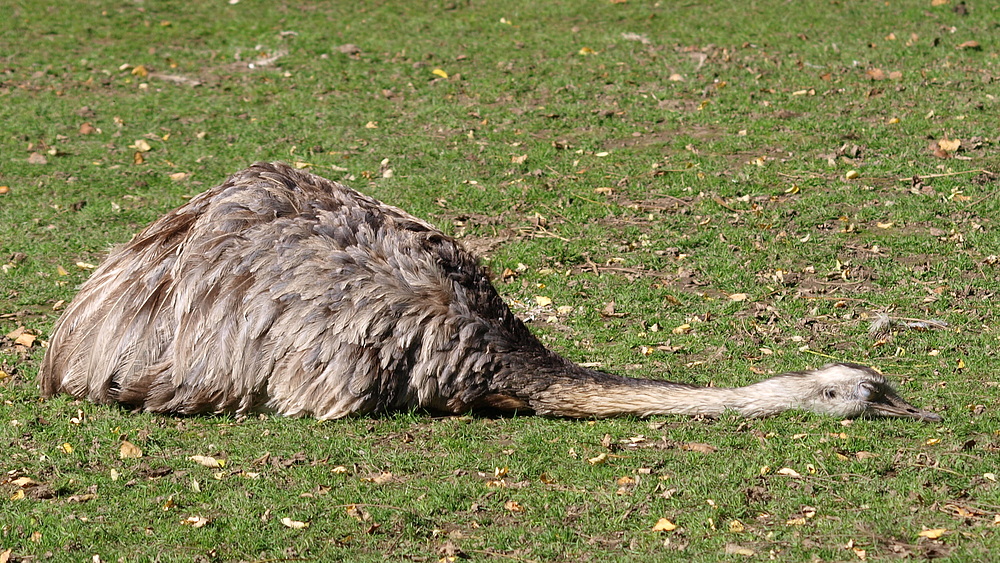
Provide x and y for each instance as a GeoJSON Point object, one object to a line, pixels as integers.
{"type": "Point", "coordinates": [703, 156]}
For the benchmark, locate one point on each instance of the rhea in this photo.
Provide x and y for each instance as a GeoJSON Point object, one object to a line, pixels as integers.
{"type": "Point", "coordinates": [280, 291]}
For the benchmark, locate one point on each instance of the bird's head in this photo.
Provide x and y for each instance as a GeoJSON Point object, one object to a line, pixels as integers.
{"type": "Point", "coordinates": [852, 391]}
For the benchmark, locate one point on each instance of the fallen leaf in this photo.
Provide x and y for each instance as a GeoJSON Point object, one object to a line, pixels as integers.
{"type": "Point", "coordinates": [5, 556]}
{"type": "Point", "coordinates": [519, 159]}
{"type": "Point", "coordinates": [140, 71]}
{"type": "Point", "coordinates": [128, 450]}
{"type": "Point", "coordinates": [25, 339]}
{"type": "Point", "coordinates": [37, 158]}
{"type": "Point", "coordinates": [513, 506]}
{"type": "Point", "coordinates": [734, 549]}
{"type": "Point", "coordinates": [682, 329]}
{"type": "Point", "coordinates": [788, 472]}
{"type": "Point", "coordinates": [933, 533]}
{"type": "Point", "coordinates": [439, 72]}
{"type": "Point", "coordinates": [974, 45]}
{"type": "Point", "coordinates": [796, 522]}
{"type": "Point", "coordinates": [66, 448]}
{"type": "Point", "coordinates": [137, 158]}
{"type": "Point", "coordinates": [87, 129]}
{"type": "Point", "coordinates": [25, 482]}
{"type": "Point", "coordinates": [597, 460]}
{"type": "Point", "coordinates": [141, 145]}
{"type": "Point", "coordinates": [294, 524]}
{"type": "Point", "coordinates": [178, 176]}
{"type": "Point", "coordinates": [208, 461]}
{"type": "Point", "coordinates": [81, 498]}
{"type": "Point", "coordinates": [586, 51]}
{"type": "Point", "coordinates": [664, 525]}
{"type": "Point", "coordinates": [543, 301]}
{"type": "Point", "coordinates": [195, 521]}
{"type": "Point", "coordinates": [379, 479]}
{"type": "Point", "coordinates": [875, 74]}
{"type": "Point", "coordinates": [738, 297]}
{"type": "Point", "coordinates": [696, 447]}
{"type": "Point", "coordinates": [949, 145]}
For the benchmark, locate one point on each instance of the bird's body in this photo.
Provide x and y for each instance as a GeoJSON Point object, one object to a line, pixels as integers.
{"type": "Point", "coordinates": [283, 292]}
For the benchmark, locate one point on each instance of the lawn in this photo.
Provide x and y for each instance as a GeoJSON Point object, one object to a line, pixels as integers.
{"type": "Point", "coordinates": [707, 192]}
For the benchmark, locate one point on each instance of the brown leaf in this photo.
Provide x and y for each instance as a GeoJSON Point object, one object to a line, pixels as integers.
{"type": "Point", "coordinates": [513, 506]}
{"type": "Point", "coordinates": [37, 158]}
{"type": "Point", "coordinates": [664, 525]}
{"type": "Point", "coordinates": [875, 74]}
{"type": "Point", "coordinates": [294, 524]}
{"type": "Point", "coordinates": [87, 129]}
{"type": "Point", "coordinates": [128, 450]}
{"type": "Point", "coordinates": [949, 145]}
{"type": "Point", "coordinates": [696, 447]}
{"type": "Point", "coordinates": [208, 461]}
{"type": "Point", "coordinates": [974, 45]}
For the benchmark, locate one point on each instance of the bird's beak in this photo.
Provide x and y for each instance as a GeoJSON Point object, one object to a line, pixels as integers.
{"type": "Point", "coordinates": [894, 406]}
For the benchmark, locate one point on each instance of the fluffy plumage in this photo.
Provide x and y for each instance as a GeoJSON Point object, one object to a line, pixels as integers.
{"type": "Point", "coordinates": [281, 291]}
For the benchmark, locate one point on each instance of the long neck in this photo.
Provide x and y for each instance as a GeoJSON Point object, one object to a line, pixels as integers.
{"type": "Point", "coordinates": [594, 394]}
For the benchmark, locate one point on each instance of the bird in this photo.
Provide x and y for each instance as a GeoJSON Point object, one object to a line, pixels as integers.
{"type": "Point", "coordinates": [279, 291]}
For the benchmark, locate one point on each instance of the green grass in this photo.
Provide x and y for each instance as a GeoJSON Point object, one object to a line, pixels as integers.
{"type": "Point", "coordinates": [507, 153]}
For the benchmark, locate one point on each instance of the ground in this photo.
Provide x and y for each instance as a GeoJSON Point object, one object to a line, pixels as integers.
{"type": "Point", "coordinates": [704, 192]}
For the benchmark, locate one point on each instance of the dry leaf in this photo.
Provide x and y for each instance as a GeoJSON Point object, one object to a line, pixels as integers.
{"type": "Point", "coordinates": [87, 129]}
{"type": "Point", "coordinates": [738, 297]}
{"type": "Point", "coordinates": [128, 450]}
{"type": "Point", "coordinates": [25, 482]}
{"type": "Point", "coordinates": [734, 549]}
{"type": "Point", "coordinates": [25, 339]}
{"type": "Point", "coordinates": [140, 71]}
{"type": "Point", "coordinates": [696, 447]}
{"type": "Point", "coordinates": [178, 176]}
{"type": "Point", "coordinates": [875, 74]}
{"type": "Point", "coordinates": [141, 145]}
{"type": "Point", "coordinates": [939, 2]}
{"type": "Point", "coordinates": [208, 461]}
{"type": "Point", "coordinates": [587, 51]}
{"type": "Point", "coordinates": [543, 301]}
{"type": "Point", "coordinates": [933, 533]}
{"type": "Point", "coordinates": [66, 448]}
{"type": "Point", "coordinates": [513, 506]}
{"type": "Point", "coordinates": [599, 459]}
{"type": "Point", "coordinates": [137, 158]}
{"type": "Point", "coordinates": [439, 72]}
{"type": "Point", "coordinates": [380, 479]}
{"type": "Point", "coordinates": [974, 45]}
{"type": "Point", "coordinates": [195, 521]}
{"type": "Point", "coordinates": [37, 158]}
{"type": "Point", "coordinates": [949, 145]}
{"type": "Point", "coordinates": [519, 159]}
{"type": "Point", "coordinates": [788, 472]}
{"type": "Point", "coordinates": [5, 556]}
{"type": "Point", "coordinates": [294, 524]}
{"type": "Point", "coordinates": [664, 525]}
{"type": "Point", "coordinates": [682, 329]}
